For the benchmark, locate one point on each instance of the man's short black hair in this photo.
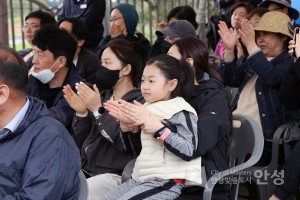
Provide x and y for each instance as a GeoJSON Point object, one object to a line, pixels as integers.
{"type": "Point", "coordinates": [13, 70]}
{"type": "Point", "coordinates": [57, 41]}
{"type": "Point", "coordinates": [45, 18]}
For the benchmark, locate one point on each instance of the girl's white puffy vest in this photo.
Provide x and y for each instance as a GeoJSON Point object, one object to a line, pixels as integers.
{"type": "Point", "coordinates": [155, 160]}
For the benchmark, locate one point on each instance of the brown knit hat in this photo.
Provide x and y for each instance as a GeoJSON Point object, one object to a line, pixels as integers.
{"type": "Point", "coordinates": [275, 22]}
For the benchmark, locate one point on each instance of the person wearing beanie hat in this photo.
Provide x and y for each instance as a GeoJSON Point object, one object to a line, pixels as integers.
{"type": "Point", "coordinates": [281, 6]}
{"type": "Point", "coordinates": [129, 14]}
{"type": "Point", "coordinates": [123, 23]}
{"type": "Point", "coordinates": [259, 76]}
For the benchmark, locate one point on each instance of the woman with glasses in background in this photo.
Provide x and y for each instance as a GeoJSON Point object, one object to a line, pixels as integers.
{"type": "Point", "coordinates": [33, 22]}
{"type": "Point", "coordinates": [123, 22]}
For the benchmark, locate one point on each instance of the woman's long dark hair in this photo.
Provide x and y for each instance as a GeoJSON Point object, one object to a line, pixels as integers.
{"type": "Point", "coordinates": [190, 47]}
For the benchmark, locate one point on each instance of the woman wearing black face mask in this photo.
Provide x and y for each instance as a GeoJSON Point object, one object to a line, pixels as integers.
{"type": "Point", "coordinates": [107, 78]}
{"type": "Point", "coordinates": [106, 145]}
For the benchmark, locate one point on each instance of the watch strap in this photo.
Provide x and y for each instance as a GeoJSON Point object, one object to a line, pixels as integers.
{"type": "Point", "coordinates": [164, 135]}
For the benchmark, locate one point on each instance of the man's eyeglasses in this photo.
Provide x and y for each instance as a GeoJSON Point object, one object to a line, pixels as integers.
{"type": "Point", "coordinates": [33, 27]}
{"type": "Point", "coordinates": [38, 53]}
{"type": "Point", "coordinates": [114, 19]}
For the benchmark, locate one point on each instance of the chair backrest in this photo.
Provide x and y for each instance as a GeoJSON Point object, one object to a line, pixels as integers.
{"type": "Point", "coordinates": [83, 191]}
{"type": "Point", "coordinates": [247, 141]}
{"type": "Point", "coordinates": [246, 146]}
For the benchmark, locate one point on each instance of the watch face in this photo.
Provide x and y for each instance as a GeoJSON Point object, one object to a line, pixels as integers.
{"type": "Point", "coordinates": [101, 110]}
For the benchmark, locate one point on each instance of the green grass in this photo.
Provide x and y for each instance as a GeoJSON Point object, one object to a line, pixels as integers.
{"type": "Point", "coordinates": [19, 46]}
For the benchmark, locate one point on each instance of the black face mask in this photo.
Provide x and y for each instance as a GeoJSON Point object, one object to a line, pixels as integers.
{"type": "Point", "coordinates": [106, 78]}
{"type": "Point", "coordinates": [165, 46]}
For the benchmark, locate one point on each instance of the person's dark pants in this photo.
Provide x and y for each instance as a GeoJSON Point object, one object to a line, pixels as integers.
{"type": "Point", "coordinates": [266, 156]}
{"type": "Point", "coordinates": [291, 175]}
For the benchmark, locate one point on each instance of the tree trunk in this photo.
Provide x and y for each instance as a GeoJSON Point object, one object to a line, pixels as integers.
{"type": "Point", "coordinates": [3, 22]}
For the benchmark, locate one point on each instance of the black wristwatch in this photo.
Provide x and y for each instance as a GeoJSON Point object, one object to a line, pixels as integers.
{"type": "Point", "coordinates": [99, 112]}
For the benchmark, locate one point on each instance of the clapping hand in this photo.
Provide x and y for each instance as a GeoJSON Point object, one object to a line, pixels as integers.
{"type": "Point", "coordinates": [140, 116]}
{"type": "Point", "coordinates": [135, 112]}
{"type": "Point", "coordinates": [247, 34]}
{"type": "Point", "coordinates": [74, 100]}
{"type": "Point", "coordinates": [294, 47]}
{"type": "Point", "coordinates": [227, 35]}
{"type": "Point", "coordinates": [297, 48]}
{"type": "Point", "coordinates": [117, 29]}
{"type": "Point", "coordinates": [129, 128]}
{"type": "Point", "coordinates": [113, 108]}
{"type": "Point", "coordinates": [161, 25]}
{"type": "Point", "coordinates": [91, 97]}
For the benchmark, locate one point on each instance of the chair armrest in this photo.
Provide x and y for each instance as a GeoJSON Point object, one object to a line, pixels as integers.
{"type": "Point", "coordinates": [275, 145]}
{"type": "Point", "coordinates": [218, 176]}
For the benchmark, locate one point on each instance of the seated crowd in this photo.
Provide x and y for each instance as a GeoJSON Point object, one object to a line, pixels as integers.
{"type": "Point", "coordinates": [65, 108]}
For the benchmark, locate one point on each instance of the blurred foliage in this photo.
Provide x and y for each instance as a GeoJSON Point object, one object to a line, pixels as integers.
{"type": "Point", "coordinates": [150, 13]}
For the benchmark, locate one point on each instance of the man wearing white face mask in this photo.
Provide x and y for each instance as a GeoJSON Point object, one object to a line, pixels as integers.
{"type": "Point", "coordinates": [53, 68]}
{"type": "Point", "coordinates": [45, 75]}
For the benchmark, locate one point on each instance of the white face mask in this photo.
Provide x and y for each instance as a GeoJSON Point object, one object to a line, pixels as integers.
{"type": "Point", "coordinates": [46, 75]}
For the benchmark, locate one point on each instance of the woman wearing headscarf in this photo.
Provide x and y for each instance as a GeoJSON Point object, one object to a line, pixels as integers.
{"type": "Point", "coordinates": [123, 22]}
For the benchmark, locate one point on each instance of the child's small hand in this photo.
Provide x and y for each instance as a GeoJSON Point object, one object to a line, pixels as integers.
{"type": "Point", "coordinates": [113, 108]}
{"type": "Point", "coordinates": [141, 116]}
{"type": "Point", "coordinates": [129, 128]}
{"type": "Point", "coordinates": [152, 124]}
{"type": "Point", "coordinates": [136, 112]}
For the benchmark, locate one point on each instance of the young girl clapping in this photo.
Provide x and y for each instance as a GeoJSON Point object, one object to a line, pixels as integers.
{"type": "Point", "coordinates": [169, 133]}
